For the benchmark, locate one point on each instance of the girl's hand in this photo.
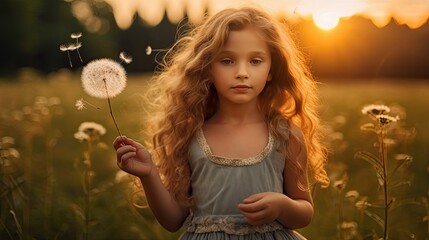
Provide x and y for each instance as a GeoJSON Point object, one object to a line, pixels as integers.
{"type": "Point", "coordinates": [132, 157]}
{"type": "Point", "coordinates": [262, 208]}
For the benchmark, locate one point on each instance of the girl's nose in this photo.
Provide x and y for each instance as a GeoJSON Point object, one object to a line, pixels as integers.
{"type": "Point", "coordinates": [242, 72]}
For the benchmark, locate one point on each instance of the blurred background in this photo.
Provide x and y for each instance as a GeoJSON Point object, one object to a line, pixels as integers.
{"type": "Point", "coordinates": [353, 38]}
{"type": "Point", "coordinates": [55, 186]}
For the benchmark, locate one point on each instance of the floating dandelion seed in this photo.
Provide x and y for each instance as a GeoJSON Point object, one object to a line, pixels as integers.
{"type": "Point", "coordinates": [148, 50]}
{"type": "Point", "coordinates": [104, 78]}
{"type": "Point", "coordinates": [77, 36]}
{"type": "Point", "coordinates": [65, 48]}
{"type": "Point", "coordinates": [125, 57]}
{"type": "Point", "coordinates": [81, 104]}
{"type": "Point", "coordinates": [76, 46]}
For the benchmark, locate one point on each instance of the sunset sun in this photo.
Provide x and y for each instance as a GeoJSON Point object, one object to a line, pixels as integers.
{"type": "Point", "coordinates": [325, 21]}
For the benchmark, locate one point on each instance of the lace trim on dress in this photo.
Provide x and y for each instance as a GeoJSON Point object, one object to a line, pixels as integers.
{"type": "Point", "coordinates": [228, 224]}
{"type": "Point", "coordinates": [234, 162]}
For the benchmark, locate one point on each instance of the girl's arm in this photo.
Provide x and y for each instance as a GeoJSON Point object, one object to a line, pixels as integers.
{"type": "Point", "coordinates": [134, 159]}
{"type": "Point", "coordinates": [294, 208]}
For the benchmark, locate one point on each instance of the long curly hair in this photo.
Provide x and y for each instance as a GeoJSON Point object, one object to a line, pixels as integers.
{"type": "Point", "coordinates": [181, 96]}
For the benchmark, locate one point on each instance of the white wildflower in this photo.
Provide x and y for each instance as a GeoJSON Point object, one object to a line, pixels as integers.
{"type": "Point", "coordinates": [386, 119]}
{"type": "Point", "coordinates": [375, 109]}
{"type": "Point", "coordinates": [81, 136]}
{"type": "Point", "coordinates": [92, 127]}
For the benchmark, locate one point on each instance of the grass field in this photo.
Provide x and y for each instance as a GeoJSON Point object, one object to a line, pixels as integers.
{"type": "Point", "coordinates": [45, 185]}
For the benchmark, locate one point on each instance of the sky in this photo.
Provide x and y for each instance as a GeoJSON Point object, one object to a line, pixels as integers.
{"type": "Point", "coordinates": [360, 38]}
{"type": "Point", "coordinates": [325, 13]}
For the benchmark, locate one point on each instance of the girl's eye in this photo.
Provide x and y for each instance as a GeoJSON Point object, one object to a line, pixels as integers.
{"type": "Point", "coordinates": [255, 61]}
{"type": "Point", "coordinates": [226, 61]}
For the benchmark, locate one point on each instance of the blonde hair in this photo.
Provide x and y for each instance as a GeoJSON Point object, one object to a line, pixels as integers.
{"type": "Point", "coordinates": [181, 96]}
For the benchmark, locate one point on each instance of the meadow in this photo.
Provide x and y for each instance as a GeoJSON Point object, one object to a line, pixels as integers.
{"type": "Point", "coordinates": [54, 186]}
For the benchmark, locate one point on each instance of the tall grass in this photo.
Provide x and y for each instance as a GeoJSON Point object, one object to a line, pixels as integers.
{"type": "Point", "coordinates": [48, 173]}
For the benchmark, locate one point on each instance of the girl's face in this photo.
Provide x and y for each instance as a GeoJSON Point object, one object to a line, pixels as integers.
{"type": "Point", "coordinates": [242, 67]}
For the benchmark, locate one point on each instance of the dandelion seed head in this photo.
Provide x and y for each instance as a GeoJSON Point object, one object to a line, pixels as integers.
{"type": "Point", "coordinates": [76, 35]}
{"type": "Point", "coordinates": [101, 74]}
{"type": "Point", "coordinates": [384, 119]}
{"type": "Point", "coordinates": [148, 50]}
{"type": "Point", "coordinates": [79, 104]}
{"type": "Point", "coordinates": [92, 128]}
{"type": "Point", "coordinates": [125, 57]}
{"type": "Point", "coordinates": [375, 109]}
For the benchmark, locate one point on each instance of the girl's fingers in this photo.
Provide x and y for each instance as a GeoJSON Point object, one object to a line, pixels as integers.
{"type": "Point", "coordinates": [119, 141]}
{"type": "Point", "coordinates": [123, 140]}
{"type": "Point", "coordinates": [255, 218]}
{"type": "Point", "coordinates": [251, 207]}
{"type": "Point", "coordinates": [124, 149]}
{"type": "Point", "coordinates": [124, 158]}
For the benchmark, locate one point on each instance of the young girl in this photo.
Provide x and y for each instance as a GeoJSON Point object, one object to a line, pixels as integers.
{"type": "Point", "coordinates": [234, 123]}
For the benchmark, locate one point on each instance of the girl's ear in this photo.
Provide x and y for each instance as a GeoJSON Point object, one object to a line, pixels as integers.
{"type": "Point", "coordinates": [269, 77]}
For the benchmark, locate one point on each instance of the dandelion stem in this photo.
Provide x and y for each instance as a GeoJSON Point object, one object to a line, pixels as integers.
{"type": "Point", "coordinates": [111, 112]}
{"type": "Point", "coordinates": [78, 53]}
{"type": "Point", "coordinates": [87, 180]}
{"type": "Point", "coordinates": [383, 155]}
{"type": "Point", "coordinates": [68, 54]}
{"type": "Point", "coordinates": [26, 211]}
{"type": "Point", "coordinates": [90, 104]}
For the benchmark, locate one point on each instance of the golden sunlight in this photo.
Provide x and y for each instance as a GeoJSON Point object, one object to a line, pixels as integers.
{"type": "Point", "coordinates": [326, 14]}
{"type": "Point", "coordinates": [325, 21]}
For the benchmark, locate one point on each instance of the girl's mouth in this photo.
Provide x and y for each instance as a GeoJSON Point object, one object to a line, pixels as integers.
{"type": "Point", "coordinates": [241, 87]}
